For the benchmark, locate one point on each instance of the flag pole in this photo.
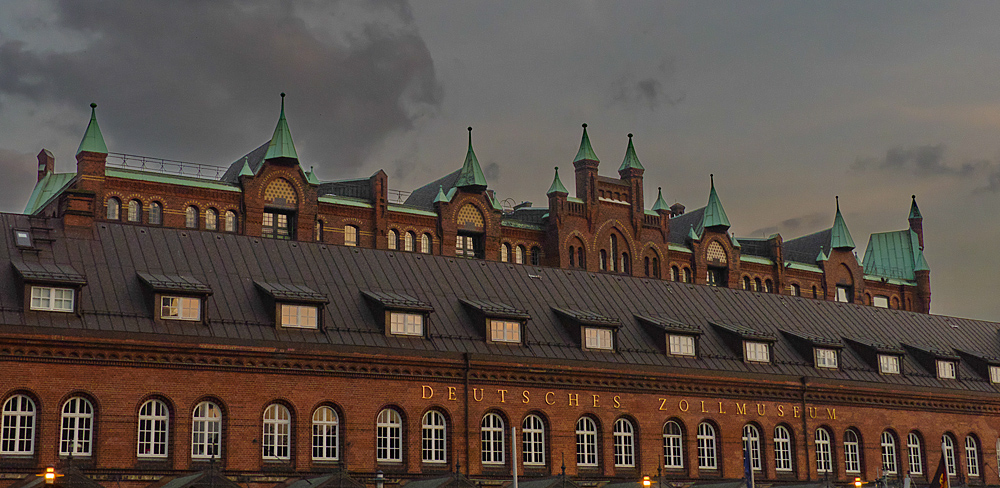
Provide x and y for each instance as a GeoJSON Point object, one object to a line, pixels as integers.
{"type": "Point", "coordinates": [513, 454]}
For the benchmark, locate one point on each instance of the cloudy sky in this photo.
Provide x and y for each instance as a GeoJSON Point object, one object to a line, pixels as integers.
{"type": "Point", "coordinates": [788, 103]}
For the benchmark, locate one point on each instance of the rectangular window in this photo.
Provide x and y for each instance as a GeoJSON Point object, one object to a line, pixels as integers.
{"type": "Point", "coordinates": [597, 338]}
{"type": "Point", "coordinates": [844, 294]}
{"type": "Point", "coordinates": [505, 331]}
{"type": "Point", "coordinates": [888, 364]}
{"type": "Point", "coordinates": [756, 352]}
{"type": "Point", "coordinates": [681, 345]}
{"type": "Point", "coordinates": [471, 246]}
{"type": "Point", "coordinates": [402, 323]}
{"type": "Point", "coordinates": [180, 308]}
{"type": "Point", "coordinates": [350, 235]}
{"type": "Point", "coordinates": [946, 370]}
{"type": "Point", "coordinates": [994, 374]}
{"type": "Point", "coordinates": [304, 316]}
{"type": "Point", "coordinates": [52, 299]}
{"type": "Point", "coordinates": [276, 226]}
{"type": "Point", "coordinates": [880, 301]}
{"type": "Point", "coordinates": [715, 277]}
{"type": "Point", "coordinates": [826, 358]}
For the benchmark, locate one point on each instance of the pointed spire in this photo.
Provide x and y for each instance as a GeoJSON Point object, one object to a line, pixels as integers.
{"type": "Point", "coordinates": [840, 237]}
{"type": "Point", "coordinates": [920, 264]}
{"type": "Point", "coordinates": [471, 174]}
{"type": "Point", "coordinates": [557, 186]}
{"type": "Point", "coordinates": [93, 140]}
{"type": "Point", "coordinates": [715, 215]}
{"type": "Point", "coordinates": [692, 234]}
{"type": "Point", "coordinates": [631, 161]}
{"type": "Point", "coordinates": [821, 256]}
{"type": "Point", "coordinates": [311, 176]}
{"type": "Point", "coordinates": [246, 171]}
{"type": "Point", "coordinates": [585, 152]}
{"type": "Point", "coordinates": [440, 196]}
{"type": "Point", "coordinates": [660, 205]}
{"type": "Point", "coordinates": [914, 209]}
{"type": "Point", "coordinates": [281, 142]}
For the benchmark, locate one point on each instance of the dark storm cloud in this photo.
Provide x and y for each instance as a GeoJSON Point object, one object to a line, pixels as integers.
{"type": "Point", "coordinates": [927, 160]}
{"type": "Point", "coordinates": [631, 91]}
{"type": "Point", "coordinates": [492, 171]}
{"type": "Point", "coordinates": [17, 166]}
{"type": "Point", "coordinates": [209, 74]}
{"type": "Point", "coordinates": [992, 181]}
{"type": "Point", "coordinates": [796, 226]}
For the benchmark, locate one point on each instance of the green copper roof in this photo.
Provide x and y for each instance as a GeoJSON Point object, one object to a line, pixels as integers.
{"type": "Point", "coordinates": [894, 255]}
{"type": "Point", "coordinates": [557, 186]}
{"type": "Point", "coordinates": [440, 196]}
{"type": "Point", "coordinates": [93, 140]}
{"type": "Point", "coordinates": [281, 142]}
{"type": "Point", "coordinates": [914, 209]}
{"type": "Point", "coordinates": [246, 171]}
{"type": "Point", "coordinates": [921, 263]}
{"type": "Point", "coordinates": [660, 204]}
{"type": "Point", "coordinates": [734, 242]}
{"type": "Point", "coordinates": [715, 215]}
{"type": "Point", "coordinates": [45, 190]}
{"type": "Point", "coordinates": [821, 256]}
{"type": "Point", "coordinates": [311, 177]}
{"type": "Point", "coordinates": [631, 161]}
{"type": "Point", "coordinates": [692, 234]}
{"type": "Point", "coordinates": [840, 237]}
{"type": "Point", "coordinates": [471, 174]}
{"type": "Point", "coordinates": [585, 152]}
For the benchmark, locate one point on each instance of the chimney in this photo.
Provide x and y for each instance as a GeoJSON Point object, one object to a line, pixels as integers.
{"type": "Point", "coordinates": [46, 163]}
{"type": "Point", "coordinates": [676, 209]}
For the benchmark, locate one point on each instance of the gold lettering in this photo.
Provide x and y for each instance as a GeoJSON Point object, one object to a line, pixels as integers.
{"type": "Point", "coordinates": [683, 405]}
{"type": "Point", "coordinates": [740, 411]}
{"type": "Point", "coordinates": [618, 401]}
{"type": "Point", "coordinates": [812, 412]}
{"type": "Point", "coordinates": [781, 410]}
{"type": "Point", "coordinates": [451, 393]}
{"type": "Point", "coordinates": [720, 408]}
{"type": "Point", "coordinates": [503, 395]}
{"type": "Point", "coordinates": [596, 398]}
{"type": "Point", "coordinates": [524, 394]}
{"type": "Point", "coordinates": [761, 409]}
{"type": "Point", "coordinates": [831, 413]}
{"type": "Point", "coordinates": [663, 404]}
{"type": "Point", "coordinates": [795, 411]}
{"type": "Point", "coordinates": [703, 407]}
{"type": "Point", "coordinates": [478, 396]}
{"type": "Point", "coordinates": [547, 402]}
{"type": "Point", "coordinates": [574, 399]}
{"type": "Point", "coordinates": [426, 392]}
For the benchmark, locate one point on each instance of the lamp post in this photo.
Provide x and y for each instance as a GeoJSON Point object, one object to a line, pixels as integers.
{"type": "Point", "coordinates": [379, 479]}
{"type": "Point", "coordinates": [50, 475]}
{"type": "Point", "coordinates": [646, 482]}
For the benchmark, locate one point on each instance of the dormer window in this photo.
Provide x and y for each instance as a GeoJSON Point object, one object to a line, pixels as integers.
{"type": "Point", "coordinates": [888, 364]}
{"type": "Point", "coordinates": [52, 299]}
{"type": "Point", "coordinates": [22, 238]}
{"type": "Point", "coordinates": [596, 332]}
{"type": "Point", "coordinates": [845, 294]}
{"type": "Point", "coordinates": [49, 287]}
{"type": "Point", "coordinates": [299, 316]}
{"type": "Point", "coordinates": [295, 306]}
{"type": "Point", "coordinates": [599, 338]}
{"type": "Point", "coordinates": [505, 331]}
{"type": "Point", "coordinates": [403, 323]}
{"type": "Point", "coordinates": [994, 374]}
{"type": "Point", "coordinates": [501, 323]}
{"type": "Point", "coordinates": [180, 308]}
{"type": "Point", "coordinates": [825, 358]}
{"type": "Point", "coordinates": [756, 352]}
{"type": "Point", "coordinates": [680, 345]}
{"type": "Point", "coordinates": [400, 315]}
{"type": "Point", "coordinates": [946, 369]}
{"type": "Point", "coordinates": [679, 339]}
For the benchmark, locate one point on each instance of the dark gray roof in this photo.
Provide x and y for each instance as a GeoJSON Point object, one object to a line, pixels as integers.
{"type": "Point", "coordinates": [337, 479]}
{"type": "Point", "coordinates": [254, 158]}
{"type": "Point", "coordinates": [681, 224]}
{"type": "Point", "coordinates": [360, 188]}
{"type": "Point", "coordinates": [452, 480]}
{"type": "Point", "coordinates": [49, 272]}
{"type": "Point", "coordinates": [291, 292]}
{"type": "Point", "coordinates": [528, 215]}
{"type": "Point", "coordinates": [755, 247]}
{"type": "Point", "coordinates": [805, 249]}
{"type": "Point", "coordinates": [423, 197]}
{"type": "Point", "coordinates": [114, 304]}
{"type": "Point", "coordinates": [174, 283]}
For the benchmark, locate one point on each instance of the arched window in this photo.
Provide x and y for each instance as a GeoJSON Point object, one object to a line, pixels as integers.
{"type": "Point", "coordinates": [852, 452]}
{"type": "Point", "coordinates": [206, 431]}
{"type": "Point", "coordinates": [604, 260]}
{"type": "Point", "coordinates": [915, 453]}
{"type": "Point", "coordinates": [425, 243]}
{"type": "Point", "coordinates": [191, 217]}
{"type": "Point", "coordinates": [948, 445]}
{"type": "Point", "coordinates": [624, 442]}
{"type": "Point", "coordinates": [277, 426]}
{"type": "Point", "coordinates": [536, 256]}
{"type": "Point", "coordinates": [673, 446]}
{"type": "Point", "coordinates": [318, 231]}
{"type": "Point", "coordinates": [134, 211]}
{"type": "Point", "coordinates": [519, 255]}
{"type": "Point", "coordinates": [350, 235]}
{"type": "Point", "coordinates": [505, 252]}
{"type": "Point", "coordinates": [687, 275]}
{"type": "Point", "coordinates": [889, 453]}
{"type": "Point", "coordinates": [815, 295]}
{"type": "Point", "coordinates": [114, 209]}
{"type": "Point", "coordinates": [674, 273]}
{"type": "Point", "coordinates": [625, 264]}
{"type": "Point", "coordinates": [18, 434]}
{"type": "Point", "coordinates": [392, 239]}
{"type": "Point", "coordinates": [746, 282]}
{"type": "Point", "coordinates": [572, 257]}
{"type": "Point", "coordinates": [491, 431]}
{"type": "Point", "coordinates": [211, 219]}
{"type": "Point", "coordinates": [796, 291]}
{"type": "Point", "coordinates": [154, 423]}
{"type": "Point", "coordinates": [533, 441]}
{"type": "Point", "coordinates": [230, 221]}
{"type": "Point", "coordinates": [408, 240]}
{"type": "Point", "coordinates": [971, 456]}
{"type": "Point", "coordinates": [751, 444]}
{"type": "Point", "coordinates": [824, 460]}
{"type": "Point", "coordinates": [433, 438]}
{"type": "Point", "coordinates": [707, 458]}
{"type": "Point", "coordinates": [782, 449]}
{"type": "Point", "coordinates": [757, 285]}
{"type": "Point", "coordinates": [389, 436]}
{"type": "Point", "coordinates": [614, 252]}
{"type": "Point", "coordinates": [76, 434]}
{"type": "Point", "coordinates": [645, 263]}
{"type": "Point", "coordinates": [586, 442]}
{"type": "Point", "coordinates": [155, 213]}
{"type": "Point", "coordinates": [768, 286]}
{"type": "Point", "coordinates": [325, 434]}
{"type": "Point", "coordinates": [580, 258]}
{"type": "Point", "coordinates": [656, 268]}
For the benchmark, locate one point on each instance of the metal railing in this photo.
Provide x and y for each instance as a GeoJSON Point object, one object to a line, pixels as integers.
{"type": "Point", "coordinates": [397, 196]}
{"type": "Point", "coordinates": [169, 166]}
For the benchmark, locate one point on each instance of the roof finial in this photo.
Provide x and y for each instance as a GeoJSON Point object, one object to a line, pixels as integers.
{"type": "Point", "coordinates": [584, 125]}
{"type": "Point", "coordinates": [837, 197]}
{"type": "Point", "coordinates": [711, 178]}
{"type": "Point", "coordinates": [629, 135]}
{"type": "Point", "coordinates": [93, 105]}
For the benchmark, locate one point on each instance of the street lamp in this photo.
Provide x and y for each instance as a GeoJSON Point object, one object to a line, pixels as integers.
{"type": "Point", "coordinates": [50, 475]}
{"type": "Point", "coordinates": [645, 482]}
{"type": "Point", "coordinates": [379, 479]}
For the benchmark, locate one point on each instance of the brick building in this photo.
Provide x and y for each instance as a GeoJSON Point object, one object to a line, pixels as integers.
{"type": "Point", "coordinates": [142, 345]}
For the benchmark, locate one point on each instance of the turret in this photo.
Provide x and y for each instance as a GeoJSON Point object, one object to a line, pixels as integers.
{"type": "Point", "coordinates": [46, 164]}
{"type": "Point", "coordinates": [585, 164]}
{"type": "Point", "coordinates": [92, 156]}
{"type": "Point", "coordinates": [471, 177]}
{"type": "Point", "coordinates": [840, 236]}
{"type": "Point", "coordinates": [916, 221]}
{"type": "Point", "coordinates": [631, 171]}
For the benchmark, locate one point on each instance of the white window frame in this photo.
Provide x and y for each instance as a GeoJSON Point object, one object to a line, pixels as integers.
{"type": "Point", "coordinates": [586, 442]}
{"type": "Point", "coordinates": [154, 430]}
{"type": "Point", "coordinates": [392, 239]}
{"type": "Point", "coordinates": [751, 444]}
{"type": "Point", "coordinates": [782, 449]}
{"type": "Point", "coordinates": [211, 219]}
{"type": "Point", "coordinates": [52, 299]}
{"type": "Point", "coordinates": [230, 221]}
{"type": "Point", "coordinates": [18, 433]}
{"type": "Point", "coordinates": [206, 431]}
{"type": "Point", "coordinates": [673, 445]}
{"type": "Point", "coordinates": [434, 438]}
{"type": "Point", "coordinates": [994, 373]}
{"type": "Point", "coordinates": [325, 434]}
{"type": "Point", "coordinates": [505, 331]}
{"type": "Point", "coordinates": [756, 352]}
{"type": "Point", "coordinates": [825, 358]}
{"type": "Point", "coordinates": [191, 217]}
{"type": "Point", "coordinates": [299, 316]}
{"type": "Point", "coordinates": [408, 241]}
{"type": "Point", "coordinates": [946, 369]}
{"type": "Point", "coordinates": [600, 338]}
{"type": "Point", "coordinates": [948, 448]}
{"type": "Point", "coordinates": [707, 455]}
{"type": "Point", "coordinates": [915, 453]}
{"type": "Point", "coordinates": [533, 441]}
{"type": "Point", "coordinates": [681, 345]}
{"type": "Point", "coordinates": [888, 364]}
{"type": "Point", "coordinates": [177, 307]}
{"type": "Point", "coordinates": [492, 438]}
{"type": "Point", "coordinates": [852, 452]}
{"type": "Point", "coordinates": [406, 323]}
{"type": "Point", "coordinates": [971, 456]}
{"type": "Point", "coordinates": [76, 428]}
{"type": "Point", "coordinates": [880, 301]}
{"type": "Point", "coordinates": [277, 426]}
{"type": "Point", "coordinates": [623, 435]}
{"type": "Point", "coordinates": [425, 243]}
{"type": "Point", "coordinates": [843, 294]}
{"type": "Point", "coordinates": [824, 459]}
{"type": "Point", "coordinates": [134, 211]}
{"type": "Point", "coordinates": [389, 437]}
{"type": "Point", "coordinates": [889, 465]}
